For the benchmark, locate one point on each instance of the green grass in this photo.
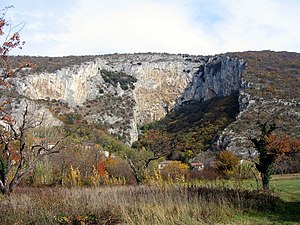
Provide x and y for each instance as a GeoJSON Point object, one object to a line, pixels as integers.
{"type": "Point", "coordinates": [287, 211]}
{"type": "Point", "coordinates": [287, 187]}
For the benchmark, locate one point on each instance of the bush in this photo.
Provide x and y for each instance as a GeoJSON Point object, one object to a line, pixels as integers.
{"type": "Point", "coordinates": [126, 81]}
{"type": "Point", "coordinates": [247, 170]}
{"type": "Point", "coordinates": [208, 173]}
{"type": "Point", "coordinates": [119, 169]}
{"type": "Point", "coordinates": [227, 163]}
{"type": "Point", "coordinates": [175, 170]}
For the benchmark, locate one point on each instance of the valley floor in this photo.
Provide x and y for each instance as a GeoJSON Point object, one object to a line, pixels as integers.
{"type": "Point", "coordinates": [211, 203]}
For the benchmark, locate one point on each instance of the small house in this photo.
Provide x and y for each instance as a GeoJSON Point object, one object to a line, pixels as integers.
{"type": "Point", "coordinates": [197, 166]}
{"type": "Point", "coordinates": [163, 164]}
{"type": "Point", "coordinates": [40, 141]}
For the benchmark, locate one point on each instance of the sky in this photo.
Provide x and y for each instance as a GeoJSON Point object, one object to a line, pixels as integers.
{"type": "Point", "coordinates": [198, 27]}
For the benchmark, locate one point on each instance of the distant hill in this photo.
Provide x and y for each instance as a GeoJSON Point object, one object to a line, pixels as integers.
{"type": "Point", "coordinates": [190, 103]}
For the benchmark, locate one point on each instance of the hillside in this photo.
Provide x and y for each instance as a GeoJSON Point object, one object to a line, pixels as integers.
{"type": "Point", "coordinates": [272, 92]}
{"type": "Point", "coordinates": [275, 74]}
{"type": "Point", "coordinates": [199, 102]}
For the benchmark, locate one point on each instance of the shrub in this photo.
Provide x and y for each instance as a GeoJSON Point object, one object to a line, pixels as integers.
{"type": "Point", "coordinates": [119, 169]}
{"type": "Point", "coordinates": [227, 163]}
{"type": "Point", "coordinates": [126, 81]}
{"type": "Point", "coordinates": [246, 170]}
{"type": "Point", "coordinates": [175, 170]}
{"type": "Point", "coordinates": [208, 173]}
{"type": "Point", "coordinates": [73, 177]}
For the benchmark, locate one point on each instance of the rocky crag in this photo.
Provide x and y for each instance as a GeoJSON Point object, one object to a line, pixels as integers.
{"type": "Point", "coordinates": [125, 91]}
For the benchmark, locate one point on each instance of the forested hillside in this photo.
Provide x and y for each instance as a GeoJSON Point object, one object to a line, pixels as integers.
{"type": "Point", "coordinates": [272, 92]}
{"type": "Point", "coordinates": [277, 74]}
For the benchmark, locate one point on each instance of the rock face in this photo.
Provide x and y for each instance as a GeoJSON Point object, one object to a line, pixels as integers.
{"type": "Point", "coordinates": [73, 85]}
{"type": "Point", "coordinates": [236, 137]}
{"type": "Point", "coordinates": [219, 77]}
{"type": "Point", "coordinates": [37, 114]}
{"type": "Point", "coordinates": [125, 91]}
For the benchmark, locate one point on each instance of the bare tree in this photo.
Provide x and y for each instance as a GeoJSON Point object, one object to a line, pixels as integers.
{"type": "Point", "coordinates": [139, 161]}
{"type": "Point", "coordinates": [17, 157]}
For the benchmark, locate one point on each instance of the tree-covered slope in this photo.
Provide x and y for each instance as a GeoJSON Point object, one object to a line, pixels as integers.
{"type": "Point", "coordinates": [272, 92]}
{"type": "Point", "coordinates": [189, 129]}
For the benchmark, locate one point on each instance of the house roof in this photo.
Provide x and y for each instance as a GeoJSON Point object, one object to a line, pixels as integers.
{"type": "Point", "coordinates": [197, 164]}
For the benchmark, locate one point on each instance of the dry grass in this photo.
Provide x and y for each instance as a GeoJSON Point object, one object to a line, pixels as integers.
{"type": "Point", "coordinates": [290, 176]}
{"type": "Point", "coordinates": [129, 205]}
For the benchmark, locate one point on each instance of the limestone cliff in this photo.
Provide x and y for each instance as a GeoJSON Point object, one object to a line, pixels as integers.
{"type": "Point", "coordinates": [124, 91]}
{"type": "Point", "coordinates": [128, 90]}
{"type": "Point", "coordinates": [219, 77]}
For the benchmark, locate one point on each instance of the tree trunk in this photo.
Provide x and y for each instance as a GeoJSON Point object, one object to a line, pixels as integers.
{"type": "Point", "coordinates": [5, 190]}
{"type": "Point", "coordinates": [265, 181]}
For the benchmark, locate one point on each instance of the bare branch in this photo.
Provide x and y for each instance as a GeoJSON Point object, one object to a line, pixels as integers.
{"type": "Point", "coordinates": [152, 159]}
{"type": "Point", "coordinates": [18, 177]}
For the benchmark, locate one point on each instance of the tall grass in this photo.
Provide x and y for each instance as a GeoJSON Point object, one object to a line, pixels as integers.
{"type": "Point", "coordinates": [130, 205]}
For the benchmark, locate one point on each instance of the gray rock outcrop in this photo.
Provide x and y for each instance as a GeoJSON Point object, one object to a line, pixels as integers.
{"type": "Point", "coordinates": [154, 85]}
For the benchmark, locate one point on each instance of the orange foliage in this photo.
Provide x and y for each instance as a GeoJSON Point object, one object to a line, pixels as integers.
{"type": "Point", "coordinates": [11, 42]}
{"type": "Point", "coordinates": [101, 169]}
{"type": "Point", "coordinates": [110, 162]}
{"type": "Point", "coordinates": [283, 144]}
{"type": "Point", "coordinates": [14, 155]}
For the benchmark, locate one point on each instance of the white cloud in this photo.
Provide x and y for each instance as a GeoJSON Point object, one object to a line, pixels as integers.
{"type": "Point", "coordinates": [174, 26]}
{"type": "Point", "coordinates": [131, 26]}
{"type": "Point", "coordinates": [256, 25]}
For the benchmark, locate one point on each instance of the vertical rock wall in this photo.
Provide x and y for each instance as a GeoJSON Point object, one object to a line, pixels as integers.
{"type": "Point", "coordinates": [219, 77]}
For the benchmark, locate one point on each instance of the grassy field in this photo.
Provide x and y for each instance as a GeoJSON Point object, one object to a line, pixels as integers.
{"type": "Point", "coordinates": [287, 211]}
{"type": "Point", "coordinates": [167, 205]}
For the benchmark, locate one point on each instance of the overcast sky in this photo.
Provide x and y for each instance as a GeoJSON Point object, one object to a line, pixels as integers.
{"type": "Point", "coordinates": [202, 27]}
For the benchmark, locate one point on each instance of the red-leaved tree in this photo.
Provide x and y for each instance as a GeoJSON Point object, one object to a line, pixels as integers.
{"type": "Point", "coordinates": [17, 157]}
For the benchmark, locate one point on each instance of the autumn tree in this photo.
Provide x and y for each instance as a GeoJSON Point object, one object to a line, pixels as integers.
{"type": "Point", "coordinates": [175, 170]}
{"type": "Point", "coordinates": [14, 142]}
{"type": "Point", "coordinates": [119, 168]}
{"type": "Point", "coordinates": [227, 162]}
{"type": "Point", "coordinates": [139, 160]}
{"type": "Point", "coordinates": [154, 145]}
{"type": "Point", "coordinates": [17, 157]}
{"type": "Point", "coordinates": [271, 147]}
{"type": "Point", "coordinates": [266, 158]}
{"type": "Point", "coordinates": [10, 39]}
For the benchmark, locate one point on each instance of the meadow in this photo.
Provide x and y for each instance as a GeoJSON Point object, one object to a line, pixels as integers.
{"type": "Point", "coordinates": [222, 202]}
{"type": "Point", "coordinates": [287, 210]}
